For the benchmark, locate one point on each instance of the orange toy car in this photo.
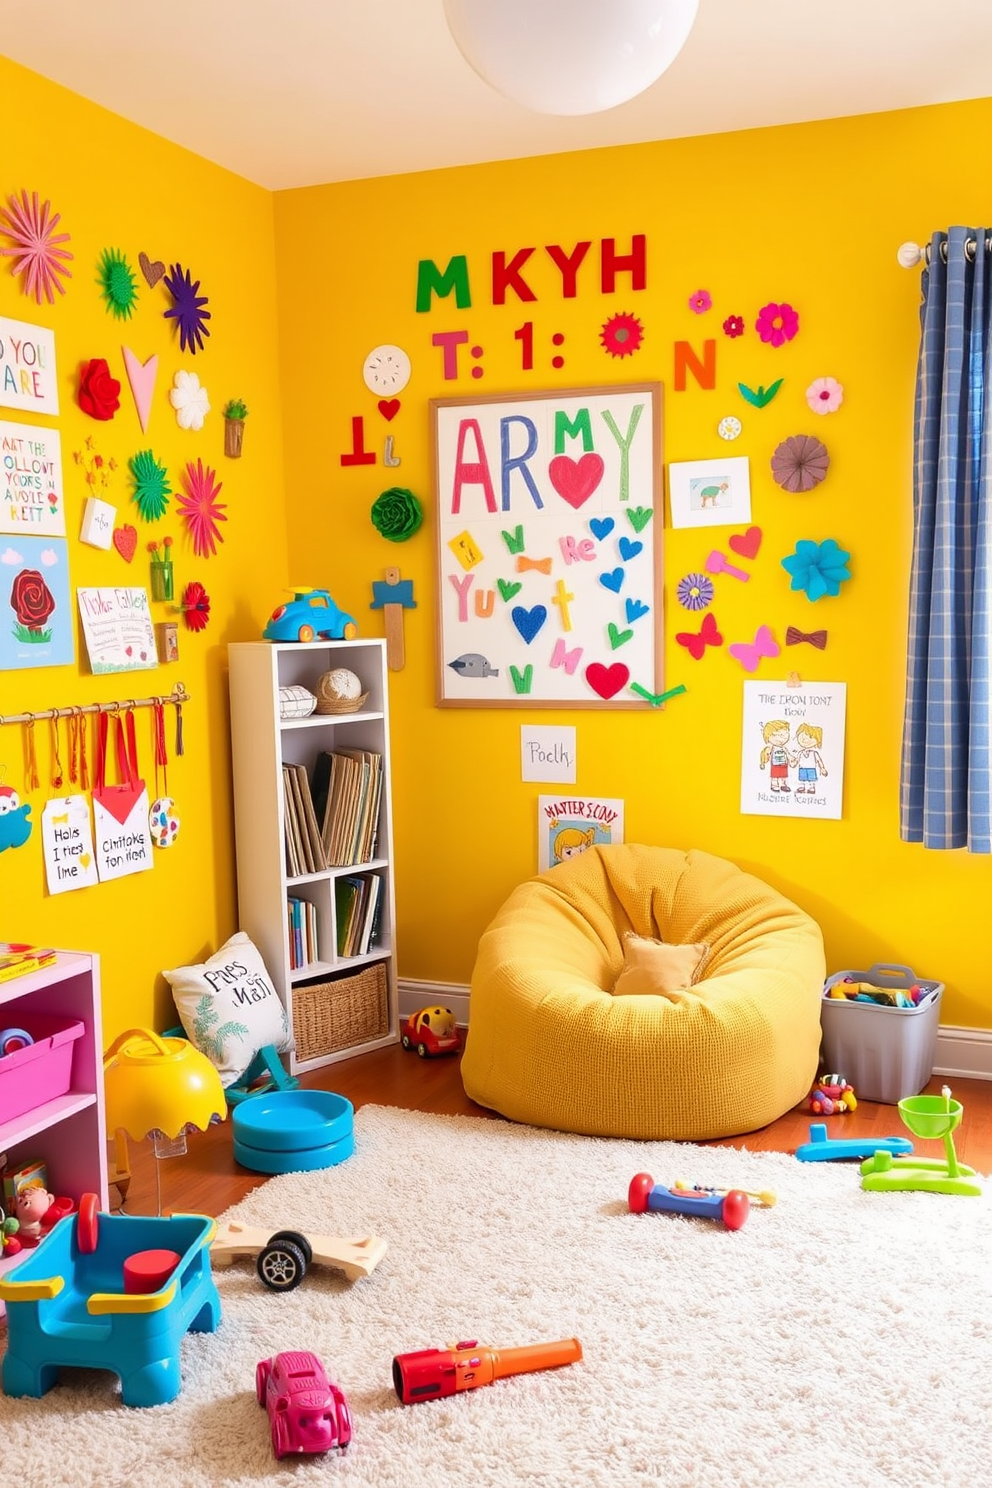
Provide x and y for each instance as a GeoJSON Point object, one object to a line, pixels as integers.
{"type": "Point", "coordinates": [431, 1031]}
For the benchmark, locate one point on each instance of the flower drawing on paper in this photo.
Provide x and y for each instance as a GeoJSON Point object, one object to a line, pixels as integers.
{"type": "Point", "coordinates": [816, 568]}
{"type": "Point", "coordinates": [700, 301]}
{"type": "Point", "coordinates": [622, 335]}
{"type": "Point", "coordinates": [195, 606]}
{"type": "Point", "coordinates": [187, 309]}
{"type": "Point", "coordinates": [32, 603]}
{"type": "Point", "coordinates": [800, 463]}
{"type": "Point", "coordinates": [695, 592]}
{"type": "Point", "coordinates": [189, 398]}
{"type": "Point", "coordinates": [151, 486]}
{"type": "Point", "coordinates": [777, 323]}
{"type": "Point", "coordinates": [199, 508]}
{"type": "Point", "coordinates": [733, 326]}
{"type": "Point", "coordinates": [38, 252]}
{"type": "Point", "coordinates": [825, 395]}
{"type": "Point", "coordinates": [117, 283]}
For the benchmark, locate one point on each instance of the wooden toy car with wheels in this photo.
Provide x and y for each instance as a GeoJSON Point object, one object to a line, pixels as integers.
{"type": "Point", "coordinates": [731, 1208]}
{"type": "Point", "coordinates": [283, 1257]}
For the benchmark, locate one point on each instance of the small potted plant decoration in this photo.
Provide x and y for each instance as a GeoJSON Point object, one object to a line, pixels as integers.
{"type": "Point", "coordinates": [162, 577]}
{"type": "Point", "coordinates": [235, 414]}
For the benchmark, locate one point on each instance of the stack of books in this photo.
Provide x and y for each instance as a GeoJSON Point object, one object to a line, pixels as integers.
{"type": "Point", "coordinates": [348, 788]}
{"type": "Point", "coordinates": [358, 903]}
{"type": "Point", "coordinates": [302, 923]}
{"type": "Point", "coordinates": [19, 959]}
{"type": "Point", "coordinates": [304, 848]}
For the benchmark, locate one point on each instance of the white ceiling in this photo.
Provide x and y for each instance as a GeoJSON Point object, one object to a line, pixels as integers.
{"type": "Point", "coordinates": [299, 92]}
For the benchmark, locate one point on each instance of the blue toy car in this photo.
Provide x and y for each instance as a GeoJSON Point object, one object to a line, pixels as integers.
{"type": "Point", "coordinates": [310, 614]}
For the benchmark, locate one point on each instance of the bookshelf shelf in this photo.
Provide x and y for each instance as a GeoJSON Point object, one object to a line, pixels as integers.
{"type": "Point", "coordinates": [264, 746]}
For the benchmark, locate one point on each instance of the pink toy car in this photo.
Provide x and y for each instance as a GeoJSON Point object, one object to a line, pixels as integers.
{"type": "Point", "coordinates": [307, 1411]}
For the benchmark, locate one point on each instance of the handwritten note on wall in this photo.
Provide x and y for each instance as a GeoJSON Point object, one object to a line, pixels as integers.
{"type": "Point", "coordinates": [31, 480]}
{"type": "Point", "coordinates": [549, 547]}
{"type": "Point", "coordinates": [118, 630]}
{"type": "Point", "coordinates": [27, 367]}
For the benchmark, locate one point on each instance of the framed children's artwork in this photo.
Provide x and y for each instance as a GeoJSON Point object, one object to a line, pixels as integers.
{"type": "Point", "coordinates": [36, 620]}
{"type": "Point", "coordinates": [567, 825]}
{"type": "Point", "coordinates": [118, 630]}
{"type": "Point", "coordinates": [549, 548]}
{"type": "Point", "coordinates": [709, 493]}
{"type": "Point", "coordinates": [31, 481]}
{"type": "Point", "coordinates": [792, 759]}
{"type": "Point", "coordinates": [28, 380]}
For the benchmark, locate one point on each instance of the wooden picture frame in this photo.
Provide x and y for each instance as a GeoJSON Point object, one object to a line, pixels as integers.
{"type": "Point", "coordinates": [550, 536]}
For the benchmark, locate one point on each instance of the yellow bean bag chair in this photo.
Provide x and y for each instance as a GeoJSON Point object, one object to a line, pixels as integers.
{"type": "Point", "coordinates": [549, 1043]}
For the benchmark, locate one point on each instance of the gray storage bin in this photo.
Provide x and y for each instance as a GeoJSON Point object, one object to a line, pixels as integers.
{"type": "Point", "coordinates": [886, 1053]}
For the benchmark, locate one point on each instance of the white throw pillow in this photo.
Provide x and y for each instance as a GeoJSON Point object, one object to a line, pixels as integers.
{"type": "Point", "coordinates": [229, 1008]}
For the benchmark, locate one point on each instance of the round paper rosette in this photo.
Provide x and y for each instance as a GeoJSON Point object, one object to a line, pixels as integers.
{"type": "Point", "coordinates": [800, 463]}
{"type": "Point", "coordinates": [397, 514]}
{"type": "Point", "coordinates": [695, 592]}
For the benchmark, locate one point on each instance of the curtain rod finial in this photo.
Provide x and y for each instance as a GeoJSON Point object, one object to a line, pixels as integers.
{"type": "Point", "coordinates": [909, 255]}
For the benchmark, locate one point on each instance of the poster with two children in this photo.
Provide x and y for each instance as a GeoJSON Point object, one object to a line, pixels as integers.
{"type": "Point", "coordinates": [792, 754]}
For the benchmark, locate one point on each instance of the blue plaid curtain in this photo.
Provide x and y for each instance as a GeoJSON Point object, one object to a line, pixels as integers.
{"type": "Point", "coordinates": [947, 741]}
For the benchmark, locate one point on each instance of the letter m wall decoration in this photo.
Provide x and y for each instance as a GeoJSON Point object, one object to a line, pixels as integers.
{"type": "Point", "coordinates": [549, 556]}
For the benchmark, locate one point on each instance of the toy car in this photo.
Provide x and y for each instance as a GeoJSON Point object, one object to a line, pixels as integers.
{"type": "Point", "coordinates": [307, 1411]}
{"type": "Point", "coordinates": [310, 613]}
{"type": "Point", "coordinates": [431, 1031]}
{"type": "Point", "coordinates": [284, 1256]}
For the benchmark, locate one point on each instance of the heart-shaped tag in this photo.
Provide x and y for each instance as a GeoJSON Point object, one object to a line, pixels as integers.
{"type": "Point", "coordinates": [575, 480]}
{"type": "Point", "coordinates": [601, 527]}
{"type": "Point", "coordinates": [635, 609]}
{"type": "Point", "coordinates": [85, 860]}
{"type": "Point", "coordinates": [126, 541]}
{"type": "Point", "coordinates": [612, 580]}
{"type": "Point", "coordinates": [152, 271]}
{"type": "Point", "coordinates": [606, 681]}
{"type": "Point", "coordinates": [629, 549]}
{"type": "Point", "coordinates": [507, 589]}
{"type": "Point", "coordinates": [528, 622]}
{"type": "Point", "coordinates": [639, 517]}
{"type": "Point", "coordinates": [389, 408]}
{"type": "Point", "coordinates": [618, 637]}
{"type": "Point", "coordinates": [746, 544]}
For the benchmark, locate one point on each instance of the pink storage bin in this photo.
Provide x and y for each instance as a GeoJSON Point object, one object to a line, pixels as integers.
{"type": "Point", "coordinates": [41, 1071]}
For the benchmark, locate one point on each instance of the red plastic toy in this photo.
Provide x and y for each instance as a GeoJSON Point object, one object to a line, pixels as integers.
{"type": "Point", "coordinates": [431, 1373]}
{"type": "Point", "coordinates": [732, 1207]}
{"type": "Point", "coordinates": [307, 1411]}
{"type": "Point", "coordinates": [431, 1031]}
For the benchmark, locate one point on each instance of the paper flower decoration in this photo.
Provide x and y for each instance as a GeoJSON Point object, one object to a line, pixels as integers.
{"type": "Point", "coordinates": [116, 279]}
{"type": "Point", "coordinates": [817, 568]}
{"type": "Point", "coordinates": [800, 463]}
{"type": "Point", "coordinates": [151, 487]}
{"type": "Point", "coordinates": [187, 309]}
{"type": "Point", "coordinates": [37, 249]}
{"type": "Point", "coordinates": [825, 395]}
{"type": "Point", "coordinates": [98, 471]}
{"type": "Point", "coordinates": [733, 326]}
{"type": "Point", "coordinates": [622, 335]}
{"type": "Point", "coordinates": [397, 514]}
{"type": "Point", "coordinates": [701, 301]}
{"type": "Point", "coordinates": [695, 591]}
{"type": "Point", "coordinates": [199, 508]}
{"type": "Point", "coordinates": [190, 400]}
{"type": "Point", "coordinates": [776, 323]}
{"type": "Point", "coordinates": [99, 394]}
{"type": "Point", "coordinates": [195, 606]}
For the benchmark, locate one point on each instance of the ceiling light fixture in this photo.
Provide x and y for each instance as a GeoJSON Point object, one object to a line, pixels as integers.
{"type": "Point", "coordinates": [570, 56]}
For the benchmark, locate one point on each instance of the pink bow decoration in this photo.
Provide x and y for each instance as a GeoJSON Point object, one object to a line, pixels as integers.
{"type": "Point", "coordinates": [817, 638]}
{"type": "Point", "coordinates": [749, 653]}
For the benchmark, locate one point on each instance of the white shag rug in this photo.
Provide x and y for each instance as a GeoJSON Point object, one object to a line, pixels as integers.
{"type": "Point", "coordinates": [840, 1338]}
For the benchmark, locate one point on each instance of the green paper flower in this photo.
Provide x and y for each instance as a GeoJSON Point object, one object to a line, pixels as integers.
{"type": "Point", "coordinates": [397, 514]}
{"type": "Point", "coordinates": [151, 487]}
{"type": "Point", "coordinates": [116, 279]}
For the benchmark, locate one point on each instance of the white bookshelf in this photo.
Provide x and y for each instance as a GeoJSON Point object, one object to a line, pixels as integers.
{"type": "Point", "coordinates": [261, 743]}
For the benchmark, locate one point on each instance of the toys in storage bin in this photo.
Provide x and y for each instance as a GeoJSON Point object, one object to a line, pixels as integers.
{"type": "Point", "coordinates": [40, 1071]}
{"type": "Point", "coordinates": [333, 1015]}
{"type": "Point", "coordinates": [886, 1052]}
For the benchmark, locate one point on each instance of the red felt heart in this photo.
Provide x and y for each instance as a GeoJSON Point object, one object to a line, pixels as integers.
{"type": "Point", "coordinates": [389, 408]}
{"type": "Point", "coordinates": [126, 541]}
{"type": "Point", "coordinates": [606, 681]}
{"type": "Point", "coordinates": [746, 544]}
{"type": "Point", "coordinates": [575, 480]}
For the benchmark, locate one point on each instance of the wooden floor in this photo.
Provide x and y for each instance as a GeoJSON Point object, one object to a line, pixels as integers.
{"type": "Point", "coordinates": [208, 1180]}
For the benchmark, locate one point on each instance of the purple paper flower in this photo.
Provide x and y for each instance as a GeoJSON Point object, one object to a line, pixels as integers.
{"type": "Point", "coordinates": [187, 309]}
{"type": "Point", "coordinates": [695, 592]}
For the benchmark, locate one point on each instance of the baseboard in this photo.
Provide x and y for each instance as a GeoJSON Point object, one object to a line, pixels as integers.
{"type": "Point", "coordinates": [962, 1053]}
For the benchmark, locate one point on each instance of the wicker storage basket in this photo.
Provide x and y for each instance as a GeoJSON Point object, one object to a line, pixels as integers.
{"type": "Point", "coordinates": [352, 1009]}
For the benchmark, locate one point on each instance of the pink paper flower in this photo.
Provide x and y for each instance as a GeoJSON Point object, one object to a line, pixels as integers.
{"type": "Point", "coordinates": [733, 326]}
{"type": "Point", "coordinates": [701, 301]}
{"type": "Point", "coordinates": [777, 324]}
{"type": "Point", "coordinates": [825, 395]}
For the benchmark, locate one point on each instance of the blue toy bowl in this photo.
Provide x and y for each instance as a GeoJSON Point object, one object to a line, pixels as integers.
{"type": "Point", "coordinates": [292, 1121]}
{"type": "Point", "coordinates": [304, 1160]}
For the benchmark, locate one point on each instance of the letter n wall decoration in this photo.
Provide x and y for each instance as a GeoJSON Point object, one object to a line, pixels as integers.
{"type": "Point", "coordinates": [549, 548]}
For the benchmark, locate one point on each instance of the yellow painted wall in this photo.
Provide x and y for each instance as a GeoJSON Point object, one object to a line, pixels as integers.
{"type": "Point", "coordinates": [812, 214]}
{"type": "Point", "coordinates": [119, 186]}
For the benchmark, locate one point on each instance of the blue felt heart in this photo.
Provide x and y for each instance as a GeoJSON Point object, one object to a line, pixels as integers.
{"type": "Point", "coordinates": [601, 526]}
{"type": "Point", "coordinates": [612, 580]}
{"type": "Point", "coordinates": [528, 622]}
{"type": "Point", "coordinates": [628, 549]}
{"type": "Point", "coordinates": [635, 609]}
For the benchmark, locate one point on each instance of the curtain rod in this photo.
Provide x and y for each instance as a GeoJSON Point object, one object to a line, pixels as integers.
{"type": "Point", "coordinates": [177, 695]}
{"type": "Point", "coordinates": [910, 254]}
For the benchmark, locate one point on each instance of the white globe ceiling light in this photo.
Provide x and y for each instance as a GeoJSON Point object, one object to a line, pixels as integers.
{"type": "Point", "coordinates": [570, 56]}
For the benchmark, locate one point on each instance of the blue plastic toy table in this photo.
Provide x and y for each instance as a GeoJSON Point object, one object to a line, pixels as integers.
{"type": "Point", "coordinates": [66, 1307]}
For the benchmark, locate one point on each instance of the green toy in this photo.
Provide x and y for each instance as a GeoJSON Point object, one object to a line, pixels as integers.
{"type": "Point", "coordinates": [934, 1118]}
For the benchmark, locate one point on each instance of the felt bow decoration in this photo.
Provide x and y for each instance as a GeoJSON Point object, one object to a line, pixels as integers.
{"type": "Point", "coordinates": [695, 642]}
{"type": "Point", "coordinates": [542, 565]}
{"type": "Point", "coordinates": [749, 653]}
{"type": "Point", "coordinates": [817, 638]}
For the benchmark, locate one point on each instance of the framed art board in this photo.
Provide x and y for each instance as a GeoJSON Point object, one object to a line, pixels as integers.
{"type": "Point", "coordinates": [549, 548]}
